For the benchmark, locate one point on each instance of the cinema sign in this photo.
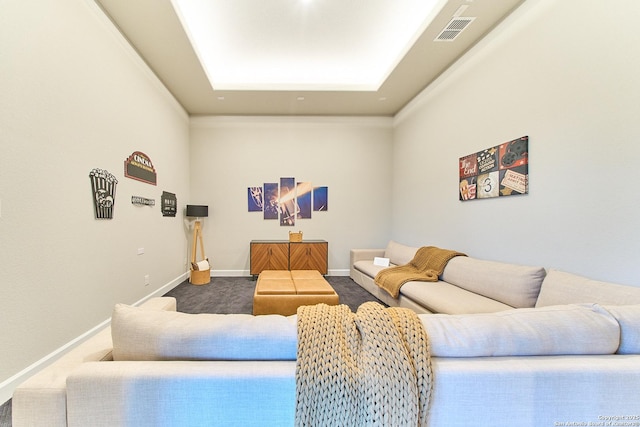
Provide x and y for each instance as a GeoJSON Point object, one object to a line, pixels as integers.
{"type": "Point", "coordinates": [138, 166]}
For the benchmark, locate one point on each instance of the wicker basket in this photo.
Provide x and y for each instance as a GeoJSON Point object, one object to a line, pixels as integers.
{"type": "Point", "coordinates": [200, 277]}
{"type": "Point", "coordinates": [295, 237]}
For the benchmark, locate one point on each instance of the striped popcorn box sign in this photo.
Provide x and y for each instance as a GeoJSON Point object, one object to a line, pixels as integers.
{"type": "Point", "coordinates": [103, 184]}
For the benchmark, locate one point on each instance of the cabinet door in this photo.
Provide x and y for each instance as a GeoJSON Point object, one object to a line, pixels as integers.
{"type": "Point", "coordinates": [308, 256]}
{"type": "Point", "coordinates": [298, 256]}
{"type": "Point", "coordinates": [279, 256]}
{"type": "Point", "coordinates": [269, 256]}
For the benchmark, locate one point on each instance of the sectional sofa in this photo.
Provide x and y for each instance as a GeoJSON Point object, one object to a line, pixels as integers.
{"type": "Point", "coordinates": [472, 285]}
{"type": "Point", "coordinates": [569, 357]}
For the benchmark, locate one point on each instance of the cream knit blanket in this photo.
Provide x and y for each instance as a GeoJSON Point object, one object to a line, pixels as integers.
{"type": "Point", "coordinates": [368, 368]}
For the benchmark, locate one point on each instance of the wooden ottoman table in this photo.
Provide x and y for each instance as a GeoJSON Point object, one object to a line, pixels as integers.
{"type": "Point", "coordinates": [283, 291]}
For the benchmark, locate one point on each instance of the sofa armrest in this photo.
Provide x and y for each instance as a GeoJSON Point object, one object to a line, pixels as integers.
{"type": "Point", "coordinates": [362, 255]}
{"type": "Point", "coordinates": [365, 254]}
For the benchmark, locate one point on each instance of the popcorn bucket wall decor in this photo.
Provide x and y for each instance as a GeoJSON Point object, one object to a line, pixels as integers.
{"type": "Point", "coordinates": [103, 184]}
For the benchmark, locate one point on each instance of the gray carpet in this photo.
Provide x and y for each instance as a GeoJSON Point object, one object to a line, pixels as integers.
{"type": "Point", "coordinates": [5, 414]}
{"type": "Point", "coordinates": [226, 295]}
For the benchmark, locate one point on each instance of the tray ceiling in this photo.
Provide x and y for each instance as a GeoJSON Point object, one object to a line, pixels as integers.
{"type": "Point", "coordinates": [286, 41]}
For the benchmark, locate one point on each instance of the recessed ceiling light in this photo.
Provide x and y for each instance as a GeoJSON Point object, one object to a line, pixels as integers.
{"type": "Point", "coordinates": [281, 45]}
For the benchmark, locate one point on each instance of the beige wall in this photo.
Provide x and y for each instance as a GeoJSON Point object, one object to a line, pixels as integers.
{"type": "Point", "coordinates": [351, 156]}
{"type": "Point", "coordinates": [565, 74]}
{"type": "Point", "coordinates": [76, 97]}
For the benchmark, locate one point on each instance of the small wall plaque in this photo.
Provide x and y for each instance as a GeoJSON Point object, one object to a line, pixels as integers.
{"type": "Point", "coordinates": [142, 201]}
{"type": "Point", "coordinates": [169, 204]}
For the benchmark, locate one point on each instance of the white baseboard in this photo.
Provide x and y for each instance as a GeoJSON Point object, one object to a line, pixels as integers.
{"type": "Point", "coordinates": [163, 290]}
{"type": "Point", "coordinates": [229, 273]}
{"type": "Point", "coordinates": [241, 273]}
{"type": "Point", "coordinates": [9, 385]}
{"type": "Point", "coordinates": [339, 272]}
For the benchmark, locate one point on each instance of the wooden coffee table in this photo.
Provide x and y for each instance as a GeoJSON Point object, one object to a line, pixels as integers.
{"type": "Point", "coordinates": [283, 291]}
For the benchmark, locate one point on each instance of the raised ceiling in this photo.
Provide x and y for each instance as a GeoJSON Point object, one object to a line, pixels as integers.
{"type": "Point", "coordinates": [331, 35]}
{"type": "Point", "coordinates": [302, 44]}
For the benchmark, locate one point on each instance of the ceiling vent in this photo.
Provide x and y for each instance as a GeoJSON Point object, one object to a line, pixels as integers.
{"type": "Point", "coordinates": [453, 29]}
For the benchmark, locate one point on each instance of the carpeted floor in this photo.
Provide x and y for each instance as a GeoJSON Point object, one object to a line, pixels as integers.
{"type": "Point", "coordinates": [225, 295]}
{"type": "Point", "coordinates": [5, 414]}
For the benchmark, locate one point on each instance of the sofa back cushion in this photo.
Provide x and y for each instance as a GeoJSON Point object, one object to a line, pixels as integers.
{"type": "Point", "coordinates": [511, 284]}
{"type": "Point", "coordinates": [628, 316]}
{"type": "Point", "coordinates": [398, 253]}
{"type": "Point", "coordinates": [568, 329]}
{"type": "Point", "coordinates": [560, 287]}
{"type": "Point", "coordinates": [145, 334]}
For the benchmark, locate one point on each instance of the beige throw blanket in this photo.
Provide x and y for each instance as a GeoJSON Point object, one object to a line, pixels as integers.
{"type": "Point", "coordinates": [369, 368]}
{"type": "Point", "coordinates": [427, 265]}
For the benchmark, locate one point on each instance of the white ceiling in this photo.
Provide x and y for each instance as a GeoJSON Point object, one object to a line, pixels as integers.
{"type": "Point", "coordinates": [302, 44]}
{"type": "Point", "coordinates": [329, 42]}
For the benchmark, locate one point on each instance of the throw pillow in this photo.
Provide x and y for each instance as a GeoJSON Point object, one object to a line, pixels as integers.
{"type": "Point", "coordinates": [628, 316]}
{"type": "Point", "coordinates": [511, 284]}
{"type": "Point", "coordinates": [398, 253]}
{"type": "Point", "coordinates": [568, 329]}
{"type": "Point", "coordinates": [560, 287]}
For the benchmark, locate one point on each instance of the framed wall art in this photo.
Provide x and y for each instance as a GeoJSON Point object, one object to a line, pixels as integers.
{"type": "Point", "coordinates": [502, 170]}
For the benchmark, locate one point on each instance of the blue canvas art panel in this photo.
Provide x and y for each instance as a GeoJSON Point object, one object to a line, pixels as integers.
{"type": "Point", "coordinates": [320, 199]}
{"type": "Point", "coordinates": [287, 202]}
{"type": "Point", "coordinates": [254, 199]}
{"type": "Point", "coordinates": [303, 197]}
{"type": "Point", "coordinates": [270, 200]}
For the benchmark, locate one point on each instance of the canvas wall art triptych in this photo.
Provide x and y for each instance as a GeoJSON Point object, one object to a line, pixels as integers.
{"type": "Point", "coordinates": [287, 200]}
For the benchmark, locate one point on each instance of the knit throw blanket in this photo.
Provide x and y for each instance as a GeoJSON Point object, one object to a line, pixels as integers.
{"type": "Point", "coordinates": [368, 368]}
{"type": "Point", "coordinates": [427, 264]}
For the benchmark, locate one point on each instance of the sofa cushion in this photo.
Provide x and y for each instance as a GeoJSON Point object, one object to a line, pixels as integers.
{"type": "Point", "coordinates": [628, 317]}
{"type": "Point", "coordinates": [560, 287]}
{"type": "Point", "coordinates": [568, 329]}
{"type": "Point", "coordinates": [515, 285]}
{"type": "Point", "coordinates": [398, 253]}
{"type": "Point", "coordinates": [443, 297]}
{"type": "Point", "coordinates": [144, 334]}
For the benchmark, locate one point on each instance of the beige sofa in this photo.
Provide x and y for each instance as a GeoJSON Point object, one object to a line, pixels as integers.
{"type": "Point", "coordinates": [559, 363]}
{"type": "Point", "coordinates": [471, 285]}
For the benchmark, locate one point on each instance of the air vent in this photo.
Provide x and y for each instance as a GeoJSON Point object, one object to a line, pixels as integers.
{"type": "Point", "coordinates": [453, 29]}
